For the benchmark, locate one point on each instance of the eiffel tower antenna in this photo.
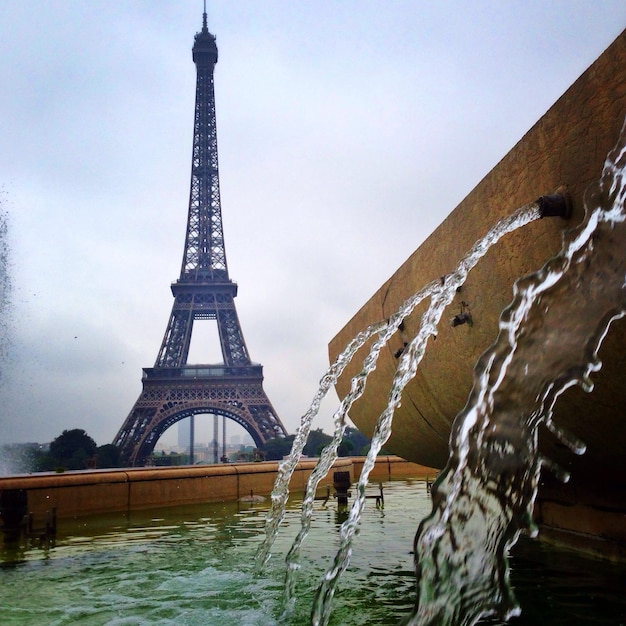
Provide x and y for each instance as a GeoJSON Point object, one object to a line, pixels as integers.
{"type": "Point", "coordinates": [174, 389]}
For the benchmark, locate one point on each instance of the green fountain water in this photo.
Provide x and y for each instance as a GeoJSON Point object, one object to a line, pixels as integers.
{"type": "Point", "coordinates": [195, 566]}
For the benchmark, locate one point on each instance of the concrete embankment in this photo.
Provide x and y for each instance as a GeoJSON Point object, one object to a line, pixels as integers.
{"type": "Point", "coordinates": [82, 493]}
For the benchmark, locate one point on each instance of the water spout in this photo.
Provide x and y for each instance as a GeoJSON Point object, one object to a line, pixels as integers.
{"type": "Point", "coordinates": [464, 317]}
{"type": "Point", "coordinates": [442, 293]}
{"type": "Point", "coordinates": [558, 204]}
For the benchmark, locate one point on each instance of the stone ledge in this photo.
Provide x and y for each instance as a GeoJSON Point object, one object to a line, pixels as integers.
{"type": "Point", "coordinates": [93, 492]}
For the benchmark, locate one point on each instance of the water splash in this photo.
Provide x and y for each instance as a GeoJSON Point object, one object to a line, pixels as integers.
{"type": "Point", "coordinates": [548, 341]}
{"type": "Point", "coordinates": [329, 454]}
{"type": "Point", "coordinates": [6, 321]}
{"type": "Point", "coordinates": [385, 330]}
{"type": "Point", "coordinates": [286, 468]}
{"type": "Point", "coordinates": [5, 286]}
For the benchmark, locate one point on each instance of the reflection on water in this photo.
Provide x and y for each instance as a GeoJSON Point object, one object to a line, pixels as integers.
{"type": "Point", "coordinates": [195, 565]}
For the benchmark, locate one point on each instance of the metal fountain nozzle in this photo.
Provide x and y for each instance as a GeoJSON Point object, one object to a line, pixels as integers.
{"type": "Point", "coordinates": [558, 204]}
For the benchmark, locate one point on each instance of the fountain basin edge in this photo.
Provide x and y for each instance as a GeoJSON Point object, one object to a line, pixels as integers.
{"type": "Point", "coordinates": [92, 492]}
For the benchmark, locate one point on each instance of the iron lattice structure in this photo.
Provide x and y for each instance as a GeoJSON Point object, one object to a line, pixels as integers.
{"type": "Point", "coordinates": [173, 389]}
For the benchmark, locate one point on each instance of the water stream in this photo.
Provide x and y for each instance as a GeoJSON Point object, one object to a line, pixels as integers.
{"type": "Point", "coordinates": [484, 497]}
{"type": "Point", "coordinates": [441, 292]}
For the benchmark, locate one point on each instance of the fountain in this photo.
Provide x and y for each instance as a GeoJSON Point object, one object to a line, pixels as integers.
{"type": "Point", "coordinates": [484, 497]}
{"type": "Point", "coordinates": [440, 293]}
{"type": "Point", "coordinates": [548, 343]}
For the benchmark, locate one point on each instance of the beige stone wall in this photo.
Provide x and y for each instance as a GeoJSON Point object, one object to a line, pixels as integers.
{"type": "Point", "coordinates": [76, 494]}
{"type": "Point", "coordinates": [393, 468]}
{"type": "Point", "coordinates": [568, 145]}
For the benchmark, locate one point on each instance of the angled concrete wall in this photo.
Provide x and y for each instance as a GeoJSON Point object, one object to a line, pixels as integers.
{"type": "Point", "coordinates": [568, 145]}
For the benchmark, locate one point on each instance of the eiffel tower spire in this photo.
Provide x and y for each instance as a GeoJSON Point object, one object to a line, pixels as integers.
{"type": "Point", "coordinates": [174, 389]}
{"type": "Point", "coordinates": [204, 257]}
{"type": "Point", "coordinates": [204, 268]}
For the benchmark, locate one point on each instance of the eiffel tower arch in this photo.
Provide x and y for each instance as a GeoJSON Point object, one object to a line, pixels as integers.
{"type": "Point", "coordinates": [174, 389]}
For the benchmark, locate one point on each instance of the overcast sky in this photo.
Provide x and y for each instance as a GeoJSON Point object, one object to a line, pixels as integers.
{"type": "Point", "coordinates": [347, 131]}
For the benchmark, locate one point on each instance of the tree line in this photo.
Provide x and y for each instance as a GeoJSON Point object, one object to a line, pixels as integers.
{"type": "Point", "coordinates": [75, 450]}
{"type": "Point", "coordinates": [354, 443]}
{"type": "Point", "coordinates": [72, 450]}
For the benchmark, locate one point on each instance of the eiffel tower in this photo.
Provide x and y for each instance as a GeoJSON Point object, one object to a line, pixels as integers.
{"type": "Point", "coordinates": [174, 389]}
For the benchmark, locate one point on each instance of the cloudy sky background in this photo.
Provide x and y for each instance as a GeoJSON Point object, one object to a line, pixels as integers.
{"type": "Point", "coordinates": [347, 131]}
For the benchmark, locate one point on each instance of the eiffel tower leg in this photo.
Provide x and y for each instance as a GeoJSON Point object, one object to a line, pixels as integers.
{"type": "Point", "coordinates": [132, 433]}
